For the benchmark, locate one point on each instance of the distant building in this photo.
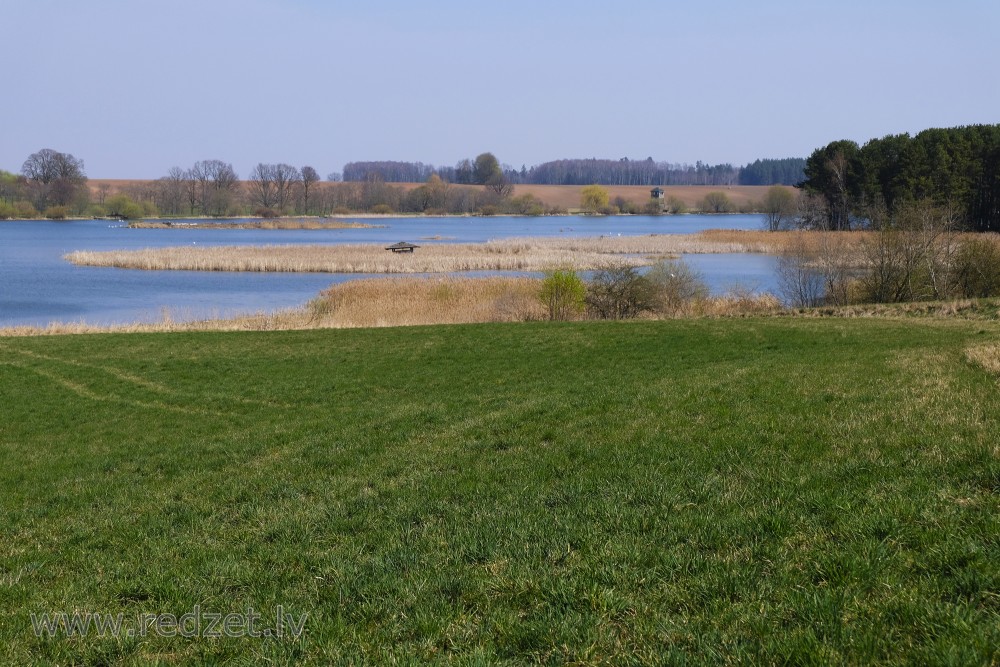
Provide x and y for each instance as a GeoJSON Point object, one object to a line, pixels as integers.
{"type": "Point", "coordinates": [656, 193]}
{"type": "Point", "coordinates": [402, 246]}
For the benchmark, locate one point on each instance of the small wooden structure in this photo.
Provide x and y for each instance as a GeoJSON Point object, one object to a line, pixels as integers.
{"type": "Point", "coordinates": [656, 193]}
{"type": "Point", "coordinates": [402, 246]}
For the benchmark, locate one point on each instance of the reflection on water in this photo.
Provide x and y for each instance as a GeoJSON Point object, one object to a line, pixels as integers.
{"type": "Point", "coordinates": [37, 286]}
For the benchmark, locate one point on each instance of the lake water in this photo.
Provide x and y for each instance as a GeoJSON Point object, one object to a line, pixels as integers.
{"type": "Point", "coordinates": [37, 286]}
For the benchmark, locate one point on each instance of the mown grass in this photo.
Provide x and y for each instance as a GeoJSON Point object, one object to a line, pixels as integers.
{"type": "Point", "coordinates": [779, 491]}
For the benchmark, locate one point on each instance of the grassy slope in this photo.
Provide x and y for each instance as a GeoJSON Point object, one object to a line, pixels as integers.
{"type": "Point", "coordinates": [766, 491]}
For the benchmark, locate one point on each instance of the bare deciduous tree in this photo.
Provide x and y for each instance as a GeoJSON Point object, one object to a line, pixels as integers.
{"type": "Point", "coordinates": [500, 184]}
{"type": "Point", "coordinates": [778, 207]}
{"type": "Point", "coordinates": [172, 191]}
{"type": "Point", "coordinates": [309, 177]}
{"type": "Point", "coordinates": [217, 183]}
{"type": "Point", "coordinates": [263, 192]}
{"type": "Point", "coordinates": [286, 178]}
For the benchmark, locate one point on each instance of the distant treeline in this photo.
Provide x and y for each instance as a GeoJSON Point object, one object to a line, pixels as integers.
{"type": "Point", "coordinates": [956, 168]}
{"type": "Point", "coordinates": [788, 171]}
{"type": "Point", "coordinates": [647, 172]}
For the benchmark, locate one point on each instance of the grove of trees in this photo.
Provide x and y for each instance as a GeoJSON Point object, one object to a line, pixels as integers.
{"type": "Point", "coordinates": [787, 171]}
{"type": "Point", "coordinates": [53, 179]}
{"type": "Point", "coordinates": [956, 167]}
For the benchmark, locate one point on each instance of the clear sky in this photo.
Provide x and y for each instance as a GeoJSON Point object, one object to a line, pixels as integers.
{"type": "Point", "coordinates": [134, 87]}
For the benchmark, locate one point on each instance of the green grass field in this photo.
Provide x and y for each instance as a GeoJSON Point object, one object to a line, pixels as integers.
{"type": "Point", "coordinates": [769, 491]}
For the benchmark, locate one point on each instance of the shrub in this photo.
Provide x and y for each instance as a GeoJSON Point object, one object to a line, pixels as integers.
{"type": "Point", "coordinates": [676, 205]}
{"type": "Point", "coordinates": [488, 209]}
{"type": "Point", "coordinates": [123, 206]}
{"type": "Point", "coordinates": [25, 210]}
{"type": "Point", "coordinates": [626, 205]}
{"type": "Point", "coordinates": [653, 207]}
{"type": "Point", "coordinates": [800, 280]}
{"type": "Point", "coordinates": [56, 212]}
{"type": "Point", "coordinates": [6, 210]}
{"type": "Point", "coordinates": [675, 285]}
{"type": "Point", "coordinates": [265, 212]}
{"type": "Point", "coordinates": [563, 294]}
{"type": "Point", "coordinates": [976, 268]}
{"type": "Point", "coordinates": [907, 258]}
{"type": "Point", "coordinates": [617, 291]}
{"type": "Point", "coordinates": [593, 198]}
{"type": "Point", "coordinates": [381, 209]}
{"type": "Point", "coordinates": [716, 202]}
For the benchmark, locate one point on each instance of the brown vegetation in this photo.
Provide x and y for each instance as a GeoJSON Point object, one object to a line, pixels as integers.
{"type": "Point", "coordinates": [385, 302]}
{"type": "Point", "coordinates": [986, 355]}
{"type": "Point", "coordinates": [381, 302]}
{"type": "Point", "coordinates": [527, 254]}
{"type": "Point", "coordinates": [349, 258]}
{"type": "Point", "coordinates": [277, 223]}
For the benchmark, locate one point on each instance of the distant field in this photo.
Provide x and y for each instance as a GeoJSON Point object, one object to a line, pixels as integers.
{"type": "Point", "coordinates": [568, 196]}
{"type": "Point", "coordinates": [762, 491]}
{"type": "Point", "coordinates": [562, 196]}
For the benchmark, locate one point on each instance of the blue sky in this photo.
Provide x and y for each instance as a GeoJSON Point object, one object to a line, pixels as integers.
{"type": "Point", "coordinates": [134, 87]}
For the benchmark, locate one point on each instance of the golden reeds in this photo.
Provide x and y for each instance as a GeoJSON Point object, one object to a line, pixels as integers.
{"type": "Point", "coordinates": [381, 302]}
{"type": "Point", "coordinates": [350, 258]}
{"type": "Point", "coordinates": [526, 254]}
{"type": "Point", "coordinates": [516, 254]}
{"type": "Point", "coordinates": [277, 223]}
{"type": "Point", "coordinates": [388, 302]}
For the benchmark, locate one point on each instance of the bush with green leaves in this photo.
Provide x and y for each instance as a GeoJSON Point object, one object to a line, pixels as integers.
{"type": "Point", "coordinates": [594, 199]}
{"type": "Point", "coordinates": [122, 206]}
{"type": "Point", "coordinates": [563, 294]}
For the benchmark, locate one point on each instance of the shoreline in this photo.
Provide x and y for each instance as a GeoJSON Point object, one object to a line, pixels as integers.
{"type": "Point", "coordinates": [394, 301]}
{"type": "Point", "coordinates": [381, 216]}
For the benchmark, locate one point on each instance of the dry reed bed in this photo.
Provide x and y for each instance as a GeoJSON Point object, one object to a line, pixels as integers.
{"type": "Point", "coordinates": [282, 223]}
{"type": "Point", "coordinates": [525, 254]}
{"type": "Point", "coordinates": [383, 302]}
{"type": "Point", "coordinates": [278, 321]}
{"type": "Point", "coordinates": [353, 258]}
{"type": "Point", "coordinates": [376, 302]}
{"type": "Point", "coordinates": [398, 301]}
